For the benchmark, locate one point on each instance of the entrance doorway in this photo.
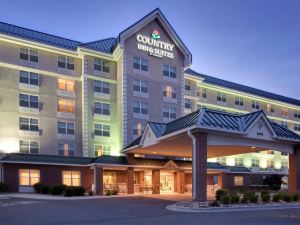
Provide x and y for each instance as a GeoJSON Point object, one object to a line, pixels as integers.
{"type": "Point", "coordinates": [167, 183]}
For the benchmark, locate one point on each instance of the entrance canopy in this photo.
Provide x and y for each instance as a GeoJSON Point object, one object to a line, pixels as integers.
{"type": "Point", "coordinates": [227, 134]}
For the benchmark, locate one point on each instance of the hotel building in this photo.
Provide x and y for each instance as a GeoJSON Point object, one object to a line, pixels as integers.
{"type": "Point", "coordinates": [60, 97]}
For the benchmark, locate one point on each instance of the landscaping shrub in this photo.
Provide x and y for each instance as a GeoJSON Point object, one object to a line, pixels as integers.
{"type": "Point", "coordinates": [287, 197]}
{"type": "Point", "coordinates": [57, 189]}
{"type": "Point", "coordinates": [108, 192]}
{"type": "Point", "coordinates": [263, 192]}
{"type": "Point", "coordinates": [245, 199]}
{"type": "Point", "coordinates": [78, 191]}
{"type": "Point", "coordinates": [276, 197]}
{"type": "Point", "coordinates": [281, 195]}
{"type": "Point", "coordinates": [114, 191]}
{"type": "Point", "coordinates": [253, 198]}
{"type": "Point", "coordinates": [68, 192]}
{"type": "Point", "coordinates": [45, 189]}
{"type": "Point", "coordinates": [265, 197]}
{"type": "Point", "coordinates": [91, 193]}
{"type": "Point", "coordinates": [2, 187]}
{"type": "Point", "coordinates": [225, 199]}
{"type": "Point", "coordinates": [234, 198]}
{"type": "Point", "coordinates": [38, 187]}
{"type": "Point", "coordinates": [214, 204]}
{"type": "Point", "coordinates": [296, 197]}
{"type": "Point", "coordinates": [219, 194]}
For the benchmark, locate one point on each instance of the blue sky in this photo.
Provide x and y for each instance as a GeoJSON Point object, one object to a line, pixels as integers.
{"type": "Point", "coordinates": [254, 42]}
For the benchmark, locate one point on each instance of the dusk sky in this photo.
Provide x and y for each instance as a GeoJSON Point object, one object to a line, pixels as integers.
{"type": "Point", "coordinates": [254, 42]}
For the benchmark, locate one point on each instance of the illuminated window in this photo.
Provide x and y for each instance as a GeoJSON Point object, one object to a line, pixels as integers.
{"type": "Point", "coordinates": [135, 178]}
{"type": "Point", "coordinates": [102, 108]}
{"type": "Point", "coordinates": [221, 160]}
{"type": "Point", "coordinates": [66, 105]}
{"type": "Point", "coordinates": [254, 163]}
{"type": "Point", "coordinates": [66, 149]}
{"type": "Point", "coordinates": [270, 108]}
{"type": "Point", "coordinates": [284, 164]}
{"type": "Point", "coordinates": [270, 152]}
{"type": "Point", "coordinates": [169, 71]}
{"type": "Point", "coordinates": [101, 65]}
{"type": "Point", "coordinates": [29, 147]}
{"type": "Point", "coordinates": [110, 178]}
{"type": "Point", "coordinates": [169, 92]}
{"type": "Point", "coordinates": [140, 86]}
{"type": "Point", "coordinates": [284, 112]}
{"type": "Point", "coordinates": [140, 64]}
{"type": "Point", "coordinates": [140, 107]}
{"type": "Point", "coordinates": [255, 105]}
{"type": "Point", "coordinates": [297, 127]}
{"type": "Point", "coordinates": [28, 177]}
{"type": "Point", "coordinates": [101, 150]}
{"type": "Point", "coordinates": [187, 85]}
{"type": "Point", "coordinates": [101, 87]}
{"type": "Point", "coordinates": [221, 97]}
{"type": "Point", "coordinates": [102, 130]}
{"type": "Point", "coordinates": [148, 181]}
{"type": "Point", "coordinates": [29, 101]}
{"type": "Point", "coordinates": [66, 128]}
{"type": "Point", "coordinates": [270, 163]}
{"type": "Point", "coordinates": [66, 85]}
{"type": "Point", "coordinates": [215, 179]}
{"type": "Point", "coordinates": [169, 112]}
{"type": "Point", "coordinates": [138, 129]}
{"type": "Point", "coordinates": [28, 54]}
{"type": "Point", "coordinates": [27, 123]}
{"type": "Point", "coordinates": [187, 103]}
{"type": "Point", "coordinates": [238, 162]}
{"type": "Point", "coordinates": [29, 78]}
{"type": "Point", "coordinates": [238, 181]}
{"type": "Point", "coordinates": [71, 178]}
{"type": "Point", "coordinates": [239, 101]}
{"type": "Point", "coordinates": [65, 62]}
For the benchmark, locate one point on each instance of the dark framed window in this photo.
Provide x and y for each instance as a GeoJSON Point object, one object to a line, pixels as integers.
{"type": "Point", "coordinates": [65, 128]}
{"type": "Point", "coordinates": [29, 124]}
{"type": "Point", "coordinates": [102, 108]}
{"type": "Point", "coordinates": [29, 78]}
{"type": "Point", "coordinates": [102, 130]}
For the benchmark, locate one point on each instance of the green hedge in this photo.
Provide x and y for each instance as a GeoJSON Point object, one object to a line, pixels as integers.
{"type": "Point", "coordinates": [2, 187]}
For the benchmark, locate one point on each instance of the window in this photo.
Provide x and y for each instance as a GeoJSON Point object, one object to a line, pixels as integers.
{"type": "Point", "coordinates": [169, 71]}
{"type": "Point", "coordinates": [238, 181]}
{"type": "Point", "coordinates": [65, 62]}
{"type": "Point", "coordinates": [102, 130]}
{"type": "Point", "coordinates": [101, 87]}
{"type": "Point", "coordinates": [30, 124]}
{"type": "Point", "coordinates": [221, 160]}
{"type": "Point", "coordinates": [66, 128]}
{"type": "Point", "coordinates": [140, 64]}
{"type": "Point", "coordinates": [239, 101]}
{"type": "Point", "coordinates": [284, 153]}
{"type": "Point", "coordinates": [29, 101]}
{"type": "Point", "coordinates": [297, 127]}
{"type": "Point", "coordinates": [202, 93]}
{"type": "Point", "coordinates": [255, 105]}
{"type": "Point", "coordinates": [102, 108]}
{"type": "Point", "coordinates": [297, 115]}
{"type": "Point", "coordinates": [29, 78]}
{"type": "Point", "coordinates": [270, 163]}
{"type": "Point", "coordinates": [254, 163]}
{"type": "Point", "coordinates": [140, 86]}
{"type": "Point", "coordinates": [284, 112]}
{"type": "Point", "coordinates": [29, 54]}
{"type": "Point", "coordinates": [66, 149]}
{"type": "Point", "coordinates": [138, 129]}
{"type": "Point", "coordinates": [270, 108]}
{"type": "Point", "coordinates": [29, 147]}
{"type": "Point", "coordinates": [140, 107]}
{"type": "Point", "coordinates": [187, 85]}
{"type": "Point", "coordinates": [65, 85]}
{"type": "Point", "coordinates": [28, 177]}
{"type": "Point", "coordinates": [110, 178]}
{"type": "Point", "coordinates": [169, 92]}
{"type": "Point", "coordinates": [221, 97]}
{"type": "Point", "coordinates": [284, 164]}
{"type": "Point", "coordinates": [284, 124]}
{"type": "Point", "coordinates": [238, 162]}
{"type": "Point", "coordinates": [169, 112]}
{"type": "Point", "coordinates": [215, 179]}
{"type": "Point", "coordinates": [66, 105]}
{"type": "Point", "coordinates": [71, 178]}
{"type": "Point", "coordinates": [101, 150]}
{"type": "Point", "coordinates": [187, 103]}
{"type": "Point", "coordinates": [101, 65]}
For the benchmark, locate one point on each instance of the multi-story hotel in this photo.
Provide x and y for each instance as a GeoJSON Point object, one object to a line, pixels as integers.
{"type": "Point", "coordinates": [67, 98]}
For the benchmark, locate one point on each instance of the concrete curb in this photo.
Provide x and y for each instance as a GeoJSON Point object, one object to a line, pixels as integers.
{"type": "Point", "coordinates": [230, 209]}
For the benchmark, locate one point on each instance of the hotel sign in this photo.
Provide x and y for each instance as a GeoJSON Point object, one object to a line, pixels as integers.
{"type": "Point", "coordinates": [154, 46]}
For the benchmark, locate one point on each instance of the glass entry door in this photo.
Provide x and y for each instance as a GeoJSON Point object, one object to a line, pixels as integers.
{"type": "Point", "coordinates": [167, 183]}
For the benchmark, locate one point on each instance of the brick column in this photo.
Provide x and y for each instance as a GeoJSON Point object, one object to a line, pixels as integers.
{"type": "Point", "coordinates": [294, 170]}
{"type": "Point", "coordinates": [199, 167]}
{"type": "Point", "coordinates": [180, 182]}
{"type": "Point", "coordinates": [98, 180]}
{"type": "Point", "coordinates": [130, 180]}
{"type": "Point", "coordinates": [156, 181]}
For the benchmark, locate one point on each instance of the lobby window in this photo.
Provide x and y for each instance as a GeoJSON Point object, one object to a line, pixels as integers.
{"type": "Point", "coordinates": [29, 147]}
{"type": "Point", "coordinates": [270, 108]}
{"type": "Point", "coordinates": [65, 128]}
{"type": "Point", "coordinates": [66, 85]}
{"type": "Point", "coordinates": [215, 179]}
{"type": "Point", "coordinates": [102, 130]}
{"type": "Point", "coordinates": [284, 112]}
{"type": "Point", "coordinates": [140, 107]}
{"type": "Point", "coordinates": [66, 149]}
{"type": "Point", "coordinates": [101, 150]}
{"type": "Point", "coordinates": [140, 86]}
{"type": "Point", "coordinates": [255, 105]}
{"type": "Point", "coordinates": [238, 181]}
{"type": "Point", "coordinates": [255, 163]}
{"type": "Point", "coordinates": [101, 65]}
{"type": "Point", "coordinates": [270, 163]}
{"type": "Point", "coordinates": [221, 160]}
{"type": "Point", "coordinates": [221, 97]}
{"type": "Point", "coordinates": [238, 162]}
{"type": "Point", "coordinates": [297, 127]}
{"type": "Point", "coordinates": [29, 54]}
{"type": "Point", "coordinates": [30, 124]}
{"type": "Point", "coordinates": [169, 92]}
{"type": "Point", "coordinates": [239, 101]}
{"type": "Point", "coordinates": [169, 112]}
{"type": "Point", "coordinates": [140, 64]}
{"type": "Point", "coordinates": [102, 108]}
{"type": "Point", "coordinates": [297, 115]}
{"type": "Point", "coordinates": [29, 78]}
{"type": "Point", "coordinates": [101, 87]}
{"type": "Point", "coordinates": [28, 177]}
{"type": "Point", "coordinates": [284, 124]}
{"type": "Point", "coordinates": [187, 85]}
{"type": "Point", "coordinates": [29, 101]}
{"type": "Point", "coordinates": [65, 62]}
{"type": "Point", "coordinates": [202, 93]}
{"type": "Point", "coordinates": [169, 71]}
{"type": "Point", "coordinates": [71, 178]}
{"type": "Point", "coordinates": [109, 178]}
{"type": "Point", "coordinates": [66, 106]}
{"type": "Point", "coordinates": [187, 103]}
{"type": "Point", "coordinates": [138, 129]}
{"type": "Point", "coordinates": [284, 164]}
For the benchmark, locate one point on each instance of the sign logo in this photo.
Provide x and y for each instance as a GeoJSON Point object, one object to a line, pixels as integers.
{"type": "Point", "coordinates": [155, 34]}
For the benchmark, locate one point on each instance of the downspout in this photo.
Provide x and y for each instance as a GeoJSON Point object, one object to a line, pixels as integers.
{"type": "Point", "coordinates": [193, 165]}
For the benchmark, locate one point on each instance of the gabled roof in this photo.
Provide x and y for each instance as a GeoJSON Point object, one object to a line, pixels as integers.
{"type": "Point", "coordinates": [243, 88]}
{"type": "Point", "coordinates": [105, 45]}
{"type": "Point", "coordinates": [157, 128]}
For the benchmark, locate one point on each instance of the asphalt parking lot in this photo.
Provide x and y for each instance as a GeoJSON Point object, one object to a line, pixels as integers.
{"type": "Point", "coordinates": [128, 210]}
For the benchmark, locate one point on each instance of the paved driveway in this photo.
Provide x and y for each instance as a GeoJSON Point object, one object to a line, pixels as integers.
{"type": "Point", "coordinates": [128, 210]}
